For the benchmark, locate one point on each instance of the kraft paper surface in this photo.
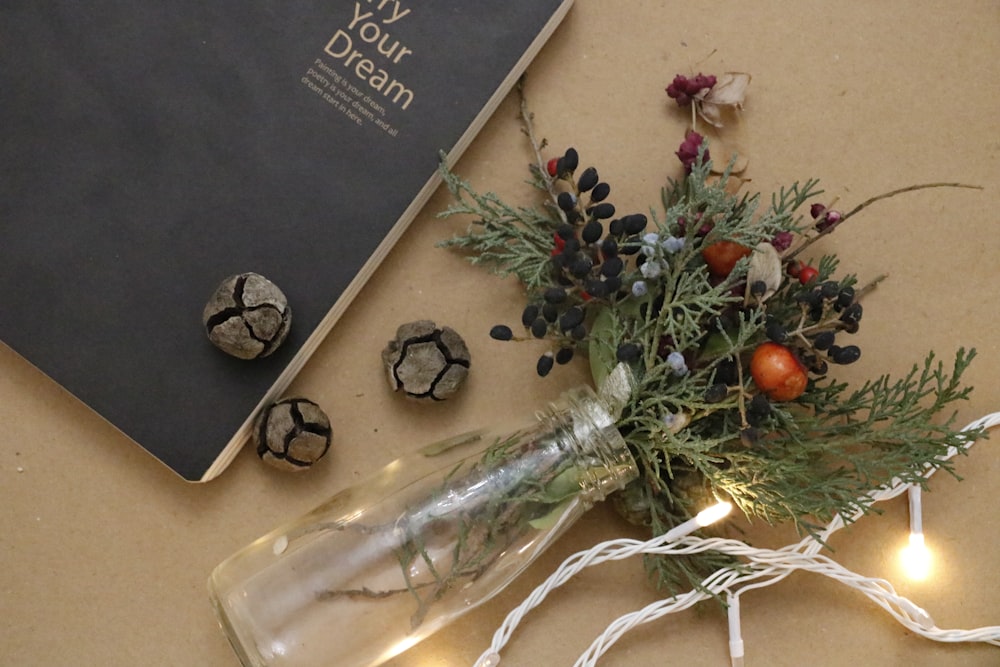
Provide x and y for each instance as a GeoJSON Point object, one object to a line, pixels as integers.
{"type": "Point", "coordinates": [105, 553]}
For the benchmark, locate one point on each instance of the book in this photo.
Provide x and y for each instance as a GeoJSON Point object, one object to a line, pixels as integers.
{"type": "Point", "coordinates": [149, 150]}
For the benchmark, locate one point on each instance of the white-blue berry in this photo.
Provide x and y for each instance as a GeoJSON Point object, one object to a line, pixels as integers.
{"type": "Point", "coordinates": [651, 269]}
{"type": "Point", "coordinates": [673, 244]}
{"type": "Point", "coordinates": [676, 361]}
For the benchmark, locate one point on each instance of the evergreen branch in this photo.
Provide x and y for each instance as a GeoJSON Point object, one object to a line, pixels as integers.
{"type": "Point", "coordinates": [512, 241]}
{"type": "Point", "coordinates": [820, 464]}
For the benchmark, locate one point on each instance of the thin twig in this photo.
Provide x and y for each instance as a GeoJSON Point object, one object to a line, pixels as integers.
{"type": "Point", "coordinates": [868, 202]}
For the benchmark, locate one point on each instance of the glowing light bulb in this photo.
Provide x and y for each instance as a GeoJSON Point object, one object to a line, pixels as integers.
{"type": "Point", "coordinates": [716, 512]}
{"type": "Point", "coordinates": [704, 518]}
{"type": "Point", "coordinates": [916, 558]}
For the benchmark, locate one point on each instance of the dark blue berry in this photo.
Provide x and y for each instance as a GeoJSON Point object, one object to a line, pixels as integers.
{"type": "Point", "coordinates": [566, 232]}
{"type": "Point", "coordinates": [616, 227]}
{"type": "Point", "coordinates": [635, 223]}
{"type": "Point", "coordinates": [592, 231]}
{"type": "Point", "coordinates": [609, 247]}
{"type": "Point", "coordinates": [759, 405]}
{"type": "Point", "coordinates": [830, 289]}
{"type": "Point", "coordinates": [776, 332]}
{"type": "Point", "coordinates": [554, 295]}
{"type": "Point", "coordinates": [571, 160]}
{"type": "Point", "coordinates": [564, 355]}
{"type": "Point", "coordinates": [501, 332]}
{"type": "Point", "coordinates": [544, 364]}
{"type": "Point", "coordinates": [588, 179]}
{"type": "Point", "coordinates": [852, 314]}
{"type": "Point", "coordinates": [845, 355]}
{"type": "Point", "coordinates": [572, 318]}
{"type": "Point", "coordinates": [716, 392]}
{"type": "Point", "coordinates": [846, 297]}
{"type": "Point", "coordinates": [727, 372]}
{"type": "Point", "coordinates": [539, 328]}
{"type": "Point", "coordinates": [824, 340]}
{"type": "Point", "coordinates": [628, 353]}
{"type": "Point", "coordinates": [579, 332]}
{"type": "Point", "coordinates": [529, 315]}
{"type": "Point", "coordinates": [566, 201]}
{"type": "Point", "coordinates": [600, 192]}
{"type": "Point", "coordinates": [602, 211]}
{"type": "Point", "coordinates": [581, 266]}
{"type": "Point", "coordinates": [612, 266]}
{"type": "Point", "coordinates": [550, 312]}
{"type": "Point", "coordinates": [596, 287]}
{"type": "Point", "coordinates": [850, 327]}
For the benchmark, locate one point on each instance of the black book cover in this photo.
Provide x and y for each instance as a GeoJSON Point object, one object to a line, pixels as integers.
{"type": "Point", "coordinates": [149, 150]}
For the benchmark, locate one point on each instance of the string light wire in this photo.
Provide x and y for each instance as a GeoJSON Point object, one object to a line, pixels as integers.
{"type": "Point", "coordinates": [760, 568]}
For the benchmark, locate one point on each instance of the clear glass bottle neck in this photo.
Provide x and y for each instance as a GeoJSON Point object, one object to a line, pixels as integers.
{"type": "Point", "coordinates": [590, 432]}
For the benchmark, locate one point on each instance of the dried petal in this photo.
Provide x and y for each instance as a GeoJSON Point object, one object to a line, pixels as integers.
{"type": "Point", "coordinates": [728, 93]}
{"type": "Point", "coordinates": [729, 90]}
{"type": "Point", "coordinates": [765, 267]}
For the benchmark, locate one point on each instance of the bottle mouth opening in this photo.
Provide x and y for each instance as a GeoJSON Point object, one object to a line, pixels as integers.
{"type": "Point", "coordinates": [598, 441]}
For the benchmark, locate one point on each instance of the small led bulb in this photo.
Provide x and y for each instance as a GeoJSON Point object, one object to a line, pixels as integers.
{"type": "Point", "coordinates": [916, 558]}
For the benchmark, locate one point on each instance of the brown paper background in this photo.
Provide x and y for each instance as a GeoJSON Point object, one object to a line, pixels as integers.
{"type": "Point", "coordinates": [104, 553]}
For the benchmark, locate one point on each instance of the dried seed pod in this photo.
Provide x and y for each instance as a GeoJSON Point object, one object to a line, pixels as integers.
{"type": "Point", "coordinates": [247, 316]}
{"type": "Point", "coordinates": [426, 361]}
{"type": "Point", "coordinates": [292, 434]}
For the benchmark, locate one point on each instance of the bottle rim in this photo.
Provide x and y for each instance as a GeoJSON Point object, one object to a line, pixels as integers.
{"type": "Point", "coordinates": [595, 436]}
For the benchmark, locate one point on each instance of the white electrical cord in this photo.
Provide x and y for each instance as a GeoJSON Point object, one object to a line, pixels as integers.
{"type": "Point", "coordinates": [764, 567]}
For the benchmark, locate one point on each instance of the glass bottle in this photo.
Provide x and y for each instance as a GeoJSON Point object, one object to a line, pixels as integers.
{"type": "Point", "coordinates": [385, 563]}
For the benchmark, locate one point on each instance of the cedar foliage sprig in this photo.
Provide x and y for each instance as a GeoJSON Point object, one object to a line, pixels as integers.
{"type": "Point", "coordinates": [686, 303]}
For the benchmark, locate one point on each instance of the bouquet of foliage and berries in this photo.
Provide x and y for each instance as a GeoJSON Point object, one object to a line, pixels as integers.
{"type": "Point", "coordinates": [726, 333]}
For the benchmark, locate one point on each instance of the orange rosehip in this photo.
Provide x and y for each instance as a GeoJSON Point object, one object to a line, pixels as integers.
{"type": "Point", "coordinates": [722, 256]}
{"type": "Point", "coordinates": [777, 372]}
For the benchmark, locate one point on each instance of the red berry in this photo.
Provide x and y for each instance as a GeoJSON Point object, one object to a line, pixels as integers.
{"type": "Point", "coordinates": [553, 167]}
{"type": "Point", "coordinates": [807, 274]}
{"type": "Point", "coordinates": [777, 372]}
{"type": "Point", "coordinates": [559, 244]}
{"type": "Point", "coordinates": [722, 256]}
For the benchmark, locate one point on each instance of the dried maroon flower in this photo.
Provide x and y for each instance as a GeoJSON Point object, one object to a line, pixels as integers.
{"type": "Point", "coordinates": [677, 90]}
{"type": "Point", "coordinates": [688, 151]}
{"type": "Point", "coordinates": [683, 89]}
{"type": "Point", "coordinates": [829, 220]}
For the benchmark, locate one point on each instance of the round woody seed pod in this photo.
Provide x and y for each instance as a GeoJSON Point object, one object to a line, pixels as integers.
{"type": "Point", "coordinates": [425, 361]}
{"type": "Point", "coordinates": [292, 434]}
{"type": "Point", "coordinates": [247, 316]}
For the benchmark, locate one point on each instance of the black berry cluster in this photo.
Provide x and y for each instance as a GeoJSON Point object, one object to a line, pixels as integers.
{"type": "Point", "coordinates": [589, 261]}
{"type": "Point", "coordinates": [827, 309]}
